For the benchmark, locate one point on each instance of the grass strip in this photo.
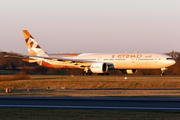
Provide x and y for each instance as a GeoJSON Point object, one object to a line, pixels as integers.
{"type": "Point", "coordinates": [59, 114]}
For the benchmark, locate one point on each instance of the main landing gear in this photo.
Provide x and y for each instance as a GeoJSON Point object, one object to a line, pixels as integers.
{"type": "Point", "coordinates": [90, 73]}
{"type": "Point", "coordinates": [84, 73]}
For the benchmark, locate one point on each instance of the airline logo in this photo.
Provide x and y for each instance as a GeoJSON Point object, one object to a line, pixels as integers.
{"type": "Point", "coordinates": [148, 56]}
{"type": "Point", "coordinates": [32, 45]}
{"type": "Point", "coordinates": [129, 56]}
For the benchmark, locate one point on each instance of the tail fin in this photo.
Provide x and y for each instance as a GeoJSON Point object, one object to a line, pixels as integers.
{"type": "Point", "coordinates": [33, 47]}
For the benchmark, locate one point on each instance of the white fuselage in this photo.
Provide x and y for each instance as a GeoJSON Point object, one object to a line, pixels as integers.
{"type": "Point", "coordinates": [119, 60]}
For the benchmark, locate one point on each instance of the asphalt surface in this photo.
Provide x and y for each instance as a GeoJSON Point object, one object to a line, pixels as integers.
{"type": "Point", "coordinates": [21, 90]}
{"type": "Point", "coordinates": [97, 103]}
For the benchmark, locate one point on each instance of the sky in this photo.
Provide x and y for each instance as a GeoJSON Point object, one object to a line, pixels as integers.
{"type": "Point", "coordinates": [91, 26]}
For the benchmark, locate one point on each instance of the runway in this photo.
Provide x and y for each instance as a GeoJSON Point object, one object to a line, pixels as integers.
{"type": "Point", "coordinates": [92, 103]}
{"type": "Point", "coordinates": [20, 90]}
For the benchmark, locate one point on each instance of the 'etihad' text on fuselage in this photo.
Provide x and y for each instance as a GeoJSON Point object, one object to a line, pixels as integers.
{"type": "Point", "coordinates": [130, 56]}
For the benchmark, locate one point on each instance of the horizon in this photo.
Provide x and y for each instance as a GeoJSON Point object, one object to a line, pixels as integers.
{"type": "Point", "coordinates": [91, 26]}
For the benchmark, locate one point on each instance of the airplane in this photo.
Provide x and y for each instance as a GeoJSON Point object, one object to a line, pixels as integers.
{"type": "Point", "coordinates": [101, 63]}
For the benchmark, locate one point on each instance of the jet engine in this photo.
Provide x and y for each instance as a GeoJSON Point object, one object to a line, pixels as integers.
{"type": "Point", "coordinates": [99, 67]}
{"type": "Point", "coordinates": [128, 71]}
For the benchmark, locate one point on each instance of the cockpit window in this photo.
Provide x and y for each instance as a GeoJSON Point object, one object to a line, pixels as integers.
{"type": "Point", "coordinates": [169, 58]}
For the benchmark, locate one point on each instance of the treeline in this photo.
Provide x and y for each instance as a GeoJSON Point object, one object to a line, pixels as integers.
{"type": "Point", "coordinates": [19, 66]}
{"type": "Point", "coordinates": [11, 63]}
{"type": "Point", "coordinates": [14, 65]}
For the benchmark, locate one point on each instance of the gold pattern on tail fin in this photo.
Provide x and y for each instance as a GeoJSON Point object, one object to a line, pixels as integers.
{"type": "Point", "coordinates": [26, 34]}
{"type": "Point", "coordinates": [33, 47]}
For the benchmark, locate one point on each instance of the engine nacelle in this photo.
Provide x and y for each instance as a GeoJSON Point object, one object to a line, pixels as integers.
{"type": "Point", "coordinates": [128, 71]}
{"type": "Point", "coordinates": [99, 68]}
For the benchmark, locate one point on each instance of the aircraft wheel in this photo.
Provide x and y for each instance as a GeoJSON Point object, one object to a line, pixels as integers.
{"type": "Point", "coordinates": [162, 74]}
{"type": "Point", "coordinates": [83, 73]}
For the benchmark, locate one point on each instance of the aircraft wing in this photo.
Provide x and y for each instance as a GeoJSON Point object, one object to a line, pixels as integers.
{"type": "Point", "coordinates": [61, 59]}
{"type": "Point", "coordinates": [69, 60]}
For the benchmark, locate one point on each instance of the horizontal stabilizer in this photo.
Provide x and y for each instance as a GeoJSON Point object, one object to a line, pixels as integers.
{"type": "Point", "coordinates": [18, 57]}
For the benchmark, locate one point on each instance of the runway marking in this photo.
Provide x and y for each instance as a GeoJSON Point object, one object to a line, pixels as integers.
{"type": "Point", "coordinates": [89, 107]}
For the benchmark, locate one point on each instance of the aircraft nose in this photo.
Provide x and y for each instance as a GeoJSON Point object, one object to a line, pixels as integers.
{"type": "Point", "coordinates": [174, 62]}
{"type": "Point", "coordinates": [171, 62]}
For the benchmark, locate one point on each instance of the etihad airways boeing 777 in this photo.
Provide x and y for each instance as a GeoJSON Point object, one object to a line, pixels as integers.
{"type": "Point", "coordinates": [95, 62]}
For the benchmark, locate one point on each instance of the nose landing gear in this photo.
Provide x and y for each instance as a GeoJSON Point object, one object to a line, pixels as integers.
{"type": "Point", "coordinates": [162, 74]}
{"type": "Point", "coordinates": [163, 69]}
